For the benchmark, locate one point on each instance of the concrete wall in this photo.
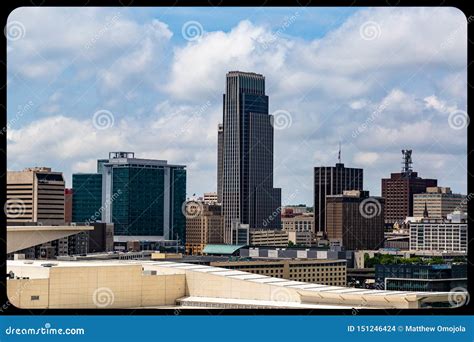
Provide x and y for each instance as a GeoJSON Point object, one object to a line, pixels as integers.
{"type": "Point", "coordinates": [97, 287]}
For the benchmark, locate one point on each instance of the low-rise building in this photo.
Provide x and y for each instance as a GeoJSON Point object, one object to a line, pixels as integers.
{"type": "Point", "coordinates": [319, 271]}
{"type": "Point", "coordinates": [268, 237]}
{"type": "Point", "coordinates": [440, 235]}
{"type": "Point", "coordinates": [298, 223]}
{"type": "Point", "coordinates": [415, 277]}
{"type": "Point", "coordinates": [281, 238]}
{"type": "Point", "coordinates": [154, 284]}
{"type": "Point", "coordinates": [295, 209]}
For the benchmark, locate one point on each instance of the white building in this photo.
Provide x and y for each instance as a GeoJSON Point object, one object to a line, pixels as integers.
{"type": "Point", "coordinates": [440, 235]}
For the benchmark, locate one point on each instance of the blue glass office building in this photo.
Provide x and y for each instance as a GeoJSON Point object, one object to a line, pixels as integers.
{"type": "Point", "coordinates": [142, 197]}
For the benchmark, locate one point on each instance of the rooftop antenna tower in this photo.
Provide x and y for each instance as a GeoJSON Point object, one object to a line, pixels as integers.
{"type": "Point", "coordinates": [407, 163]}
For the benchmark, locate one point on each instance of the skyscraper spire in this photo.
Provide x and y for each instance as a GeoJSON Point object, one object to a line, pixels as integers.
{"type": "Point", "coordinates": [339, 154]}
{"type": "Point", "coordinates": [425, 212]}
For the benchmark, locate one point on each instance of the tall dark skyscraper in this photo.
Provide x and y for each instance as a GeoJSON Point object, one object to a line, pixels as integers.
{"type": "Point", "coordinates": [248, 195]}
{"type": "Point", "coordinates": [329, 181]}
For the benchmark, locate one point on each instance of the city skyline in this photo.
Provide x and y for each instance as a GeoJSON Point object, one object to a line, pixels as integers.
{"type": "Point", "coordinates": [310, 77]}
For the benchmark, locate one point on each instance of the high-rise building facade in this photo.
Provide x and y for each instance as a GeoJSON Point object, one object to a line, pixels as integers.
{"type": "Point", "coordinates": [439, 202]}
{"type": "Point", "coordinates": [87, 197]}
{"type": "Point", "coordinates": [35, 195]}
{"type": "Point", "coordinates": [355, 220]}
{"type": "Point", "coordinates": [220, 160]}
{"type": "Point", "coordinates": [398, 191]}
{"type": "Point", "coordinates": [330, 181]}
{"type": "Point", "coordinates": [205, 227]}
{"type": "Point", "coordinates": [142, 197]}
{"type": "Point", "coordinates": [248, 195]}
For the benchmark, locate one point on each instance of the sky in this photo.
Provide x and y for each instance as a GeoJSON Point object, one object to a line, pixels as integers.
{"type": "Point", "coordinates": [82, 82]}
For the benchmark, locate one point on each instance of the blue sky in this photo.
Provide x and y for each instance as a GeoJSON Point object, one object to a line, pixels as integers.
{"type": "Point", "coordinates": [86, 81]}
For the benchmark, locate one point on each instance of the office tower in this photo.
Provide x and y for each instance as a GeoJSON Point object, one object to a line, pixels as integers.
{"type": "Point", "coordinates": [206, 227]}
{"type": "Point", "coordinates": [142, 197]}
{"type": "Point", "coordinates": [439, 202]}
{"type": "Point", "coordinates": [35, 195]}
{"type": "Point", "coordinates": [329, 181]}
{"type": "Point", "coordinates": [248, 196]}
{"type": "Point", "coordinates": [38, 195]}
{"type": "Point", "coordinates": [355, 220]}
{"type": "Point", "coordinates": [220, 160]}
{"type": "Point", "coordinates": [398, 191]}
{"type": "Point", "coordinates": [87, 198]}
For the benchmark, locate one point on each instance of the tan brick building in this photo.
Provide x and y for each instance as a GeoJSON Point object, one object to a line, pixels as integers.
{"type": "Point", "coordinates": [205, 227]}
{"type": "Point", "coordinates": [439, 201]}
{"type": "Point", "coordinates": [35, 195]}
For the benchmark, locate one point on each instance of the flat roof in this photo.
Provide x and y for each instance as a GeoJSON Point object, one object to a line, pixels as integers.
{"type": "Point", "coordinates": [30, 267]}
{"type": "Point", "coordinates": [222, 249]}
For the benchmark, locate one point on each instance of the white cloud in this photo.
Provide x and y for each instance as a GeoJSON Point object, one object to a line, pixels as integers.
{"type": "Point", "coordinates": [366, 158]}
{"type": "Point", "coordinates": [358, 104]}
{"type": "Point", "coordinates": [94, 42]}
